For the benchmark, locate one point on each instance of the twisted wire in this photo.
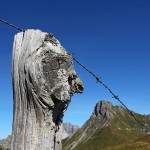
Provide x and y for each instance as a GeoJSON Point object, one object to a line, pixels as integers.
{"type": "Point", "coordinates": [11, 25]}
{"type": "Point", "coordinates": [98, 80]}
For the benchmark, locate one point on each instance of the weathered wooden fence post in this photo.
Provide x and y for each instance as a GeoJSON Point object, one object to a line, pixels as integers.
{"type": "Point", "coordinates": [43, 82]}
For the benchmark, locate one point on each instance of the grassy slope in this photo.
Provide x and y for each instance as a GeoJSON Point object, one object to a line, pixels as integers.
{"type": "Point", "coordinates": [121, 129]}
{"type": "Point", "coordinates": [101, 139]}
{"type": "Point", "coordinates": [140, 144]}
{"type": "Point", "coordinates": [106, 137]}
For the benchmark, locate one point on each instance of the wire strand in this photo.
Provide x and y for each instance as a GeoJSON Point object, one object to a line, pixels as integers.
{"type": "Point", "coordinates": [11, 25]}
{"type": "Point", "coordinates": [98, 80]}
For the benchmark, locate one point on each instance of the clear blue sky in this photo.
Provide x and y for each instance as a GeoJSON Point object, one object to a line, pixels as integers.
{"type": "Point", "coordinates": [111, 37]}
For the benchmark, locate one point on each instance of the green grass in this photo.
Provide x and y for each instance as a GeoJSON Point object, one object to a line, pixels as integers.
{"type": "Point", "coordinates": [106, 137]}
{"type": "Point", "coordinates": [139, 144]}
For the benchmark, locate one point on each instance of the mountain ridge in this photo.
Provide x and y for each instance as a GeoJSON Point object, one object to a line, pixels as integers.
{"type": "Point", "coordinates": [106, 123]}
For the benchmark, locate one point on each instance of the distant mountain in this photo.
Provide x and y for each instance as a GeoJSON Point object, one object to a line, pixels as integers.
{"type": "Point", "coordinates": [5, 143]}
{"type": "Point", "coordinates": [108, 126]}
{"type": "Point", "coordinates": [68, 129]}
{"type": "Point", "coordinates": [1, 141]}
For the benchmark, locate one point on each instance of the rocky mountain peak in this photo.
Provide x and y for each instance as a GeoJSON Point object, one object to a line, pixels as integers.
{"type": "Point", "coordinates": [103, 109]}
{"type": "Point", "coordinates": [148, 116]}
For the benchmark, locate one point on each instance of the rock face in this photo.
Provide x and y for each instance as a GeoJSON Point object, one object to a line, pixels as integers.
{"type": "Point", "coordinates": [148, 116]}
{"type": "Point", "coordinates": [68, 129]}
{"type": "Point", "coordinates": [43, 82]}
{"type": "Point", "coordinates": [103, 108]}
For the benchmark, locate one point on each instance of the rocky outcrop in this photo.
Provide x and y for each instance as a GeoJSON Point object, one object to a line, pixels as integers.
{"type": "Point", "coordinates": [68, 129]}
{"type": "Point", "coordinates": [43, 82]}
{"type": "Point", "coordinates": [103, 109]}
{"type": "Point", "coordinates": [148, 116]}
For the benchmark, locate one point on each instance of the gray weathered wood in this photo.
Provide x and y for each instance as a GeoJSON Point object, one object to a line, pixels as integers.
{"type": "Point", "coordinates": [43, 82]}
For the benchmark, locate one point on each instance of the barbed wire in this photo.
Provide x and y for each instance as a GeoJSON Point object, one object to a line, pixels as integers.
{"type": "Point", "coordinates": [11, 25]}
{"type": "Point", "coordinates": [98, 80]}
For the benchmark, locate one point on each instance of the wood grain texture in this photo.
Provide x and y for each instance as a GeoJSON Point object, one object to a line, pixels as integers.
{"type": "Point", "coordinates": [43, 82]}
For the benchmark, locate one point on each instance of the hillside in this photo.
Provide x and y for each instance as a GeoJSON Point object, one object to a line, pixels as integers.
{"type": "Point", "coordinates": [108, 126]}
{"type": "Point", "coordinates": [139, 144]}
